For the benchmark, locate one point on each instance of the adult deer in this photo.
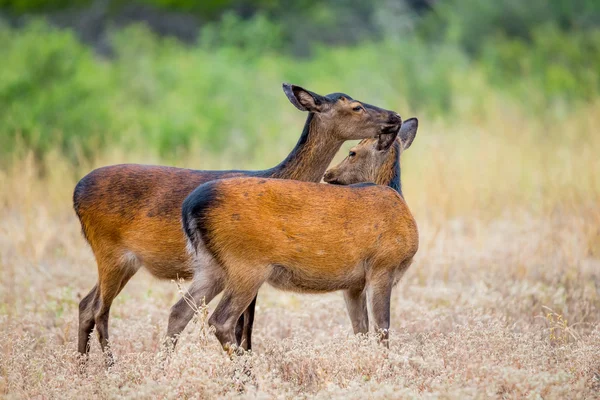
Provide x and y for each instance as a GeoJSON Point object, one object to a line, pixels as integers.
{"type": "Point", "coordinates": [307, 237]}
{"type": "Point", "coordinates": [130, 214]}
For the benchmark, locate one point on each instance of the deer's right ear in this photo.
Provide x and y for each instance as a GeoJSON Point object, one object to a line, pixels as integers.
{"type": "Point", "coordinates": [408, 131]}
{"type": "Point", "coordinates": [303, 99]}
{"type": "Point", "coordinates": [385, 140]}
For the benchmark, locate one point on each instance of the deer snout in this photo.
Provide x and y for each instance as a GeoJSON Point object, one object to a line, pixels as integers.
{"type": "Point", "coordinates": [330, 176]}
{"type": "Point", "coordinates": [394, 119]}
{"type": "Point", "coordinates": [392, 124]}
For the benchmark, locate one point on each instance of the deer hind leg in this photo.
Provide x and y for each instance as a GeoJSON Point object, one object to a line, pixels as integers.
{"type": "Point", "coordinates": [208, 282]}
{"type": "Point", "coordinates": [379, 293]}
{"type": "Point", "coordinates": [240, 291]}
{"type": "Point", "coordinates": [90, 305]}
{"type": "Point", "coordinates": [87, 321]}
{"type": "Point", "coordinates": [113, 274]}
{"type": "Point", "coordinates": [243, 329]}
{"type": "Point", "coordinates": [356, 304]}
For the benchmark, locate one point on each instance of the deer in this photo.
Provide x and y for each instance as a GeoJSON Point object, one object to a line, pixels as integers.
{"type": "Point", "coordinates": [130, 214]}
{"type": "Point", "coordinates": [307, 237]}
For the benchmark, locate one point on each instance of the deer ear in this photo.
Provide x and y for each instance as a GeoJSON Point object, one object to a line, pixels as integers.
{"type": "Point", "coordinates": [408, 131]}
{"type": "Point", "coordinates": [385, 140]}
{"type": "Point", "coordinates": [303, 99]}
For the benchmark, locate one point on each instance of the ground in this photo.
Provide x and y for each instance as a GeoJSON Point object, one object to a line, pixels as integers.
{"type": "Point", "coordinates": [502, 309]}
{"type": "Point", "coordinates": [502, 300]}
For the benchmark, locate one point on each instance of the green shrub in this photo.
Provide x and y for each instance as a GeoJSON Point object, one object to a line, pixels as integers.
{"type": "Point", "coordinates": [254, 37]}
{"type": "Point", "coordinates": [52, 90]}
{"type": "Point", "coordinates": [563, 67]}
{"type": "Point", "coordinates": [470, 24]}
{"type": "Point", "coordinates": [159, 95]}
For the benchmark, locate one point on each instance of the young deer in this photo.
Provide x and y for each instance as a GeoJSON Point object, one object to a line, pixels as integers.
{"type": "Point", "coordinates": [130, 214]}
{"type": "Point", "coordinates": [366, 163]}
{"type": "Point", "coordinates": [307, 237]}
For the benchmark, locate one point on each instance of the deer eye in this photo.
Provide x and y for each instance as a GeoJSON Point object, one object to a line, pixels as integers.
{"type": "Point", "coordinates": [357, 108]}
{"type": "Point", "coordinates": [352, 154]}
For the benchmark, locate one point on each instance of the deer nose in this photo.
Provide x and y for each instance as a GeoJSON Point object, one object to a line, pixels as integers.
{"type": "Point", "coordinates": [328, 177]}
{"type": "Point", "coordinates": [395, 118]}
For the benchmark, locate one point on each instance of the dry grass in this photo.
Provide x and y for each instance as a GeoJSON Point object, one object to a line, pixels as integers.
{"type": "Point", "coordinates": [503, 300]}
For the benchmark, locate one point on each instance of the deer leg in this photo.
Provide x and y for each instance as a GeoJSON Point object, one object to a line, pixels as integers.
{"type": "Point", "coordinates": [379, 293]}
{"type": "Point", "coordinates": [86, 320]}
{"type": "Point", "coordinates": [237, 297]}
{"type": "Point", "coordinates": [243, 329]}
{"type": "Point", "coordinates": [113, 276]}
{"type": "Point", "coordinates": [239, 328]}
{"type": "Point", "coordinates": [356, 304]}
{"type": "Point", "coordinates": [208, 282]}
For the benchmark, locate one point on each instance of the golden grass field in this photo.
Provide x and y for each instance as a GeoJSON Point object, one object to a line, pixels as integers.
{"type": "Point", "coordinates": [502, 301]}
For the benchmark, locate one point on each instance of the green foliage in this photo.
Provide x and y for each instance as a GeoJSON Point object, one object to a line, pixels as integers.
{"type": "Point", "coordinates": [206, 7]}
{"type": "Point", "coordinates": [255, 36]}
{"type": "Point", "coordinates": [471, 23]}
{"type": "Point", "coordinates": [563, 67]}
{"type": "Point", "coordinates": [52, 90]}
{"type": "Point", "coordinates": [29, 6]}
{"type": "Point", "coordinates": [224, 93]}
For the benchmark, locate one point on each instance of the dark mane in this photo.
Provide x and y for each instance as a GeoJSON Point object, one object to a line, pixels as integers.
{"type": "Point", "coordinates": [395, 182]}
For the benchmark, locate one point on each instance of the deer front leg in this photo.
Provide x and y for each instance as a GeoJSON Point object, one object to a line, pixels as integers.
{"type": "Point", "coordinates": [356, 304]}
{"type": "Point", "coordinates": [379, 293]}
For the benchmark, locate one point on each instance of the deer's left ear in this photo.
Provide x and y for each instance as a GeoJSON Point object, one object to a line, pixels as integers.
{"type": "Point", "coordinates": [304, 100]}
{"type": "Point", "coordinates": [408, 131]}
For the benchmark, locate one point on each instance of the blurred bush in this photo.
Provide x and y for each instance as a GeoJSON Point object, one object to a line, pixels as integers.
{"type": "Point", "coordinates": [470, 24]}
{"type": "Point", "coordinates": [255, 36]}
{"type": "Point", "coordinates": [52, 90]}
{"type": "Point", "coordinates": [159, 94]}
{"type": "Point", "coordinates": [563, 67]}
{"type": "Point", "coordinates": [163, 95]}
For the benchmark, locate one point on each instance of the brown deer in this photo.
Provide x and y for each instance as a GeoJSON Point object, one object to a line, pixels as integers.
{"type": "Point", "coordinates": [366, 163]}
{"type": "Point", "coordinates": [130, 214]}
{"type": "Point", "coordinates": [307, 237]}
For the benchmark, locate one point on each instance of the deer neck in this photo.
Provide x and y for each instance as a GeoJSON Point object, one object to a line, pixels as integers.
{"type": "Point", "coordinates": [389, 173]}
{"type": "Point", "coordinates": [312, 154]}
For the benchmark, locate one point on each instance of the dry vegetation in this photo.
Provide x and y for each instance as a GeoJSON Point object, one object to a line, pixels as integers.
{"type": "Point", "coordinates": [503, 300]}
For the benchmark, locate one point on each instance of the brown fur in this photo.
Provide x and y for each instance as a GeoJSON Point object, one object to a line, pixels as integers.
{"type": "Point", "coordinates": [287, 228]}
{"type": "Point", "coordinates": [130, 214]}
{"type": "Point", "coordinates": [306, 237]}
{"type": "Point", "coordinates": [367, 163]}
